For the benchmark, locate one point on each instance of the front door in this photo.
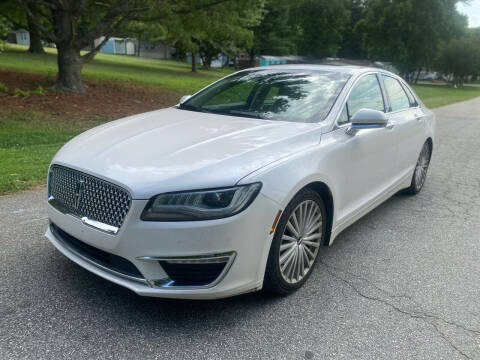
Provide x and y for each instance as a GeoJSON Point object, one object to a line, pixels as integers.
{"type": "Point", "coordinates": [373, 155]}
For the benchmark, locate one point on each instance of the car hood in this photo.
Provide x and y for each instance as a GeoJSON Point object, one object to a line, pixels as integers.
{"type": "Point", "coordinates": [173, 149]}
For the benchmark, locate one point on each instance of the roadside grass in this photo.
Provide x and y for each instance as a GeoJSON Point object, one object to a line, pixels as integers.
{"type": "Point", "coordinates": [164, 73]}
{"type": "Point", "coordinates": [439, 95]}
{"type": "Point", "coordinates": [28, 142]}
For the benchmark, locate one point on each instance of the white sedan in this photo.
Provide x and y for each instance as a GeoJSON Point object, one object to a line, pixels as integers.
{"type": "Point", "coordinates": [237, 188]}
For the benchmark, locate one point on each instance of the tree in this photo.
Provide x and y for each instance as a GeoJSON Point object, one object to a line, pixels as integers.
{"type": "Point", "coordinates": [74, 24]}
{"type": "Point", "coordinates": [17, 17]}
{"type": "Point", "coordinates": [460, 58]}
{"type": "Point", "coordinates": [275, 34]}
{"type": "Point", "coordinates": [408, 32]}
{"type": "Point", "coordinates": [322, 26]}
{"type": "Point", "coordinates": [225, 28]}
{"type": "Point", "coordinates": [351, 45]}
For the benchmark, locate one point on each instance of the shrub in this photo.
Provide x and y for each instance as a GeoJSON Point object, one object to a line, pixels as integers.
{"type": "Point", "coordinates": [38, 91]}
{"type": "Point", "coordinates": [20, 92]}
{"type": "Point", "coordinates": [3, 88]}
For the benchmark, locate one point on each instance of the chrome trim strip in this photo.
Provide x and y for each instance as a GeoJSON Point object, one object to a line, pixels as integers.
{"type": "Point", "coordinates": [100, 226]}
{"type": "Point", "coordinates": [90, 222]}
{"type": "Point", "coordinates": [167, 283]}
{"type": "Point", "coordinates": [90, 261]}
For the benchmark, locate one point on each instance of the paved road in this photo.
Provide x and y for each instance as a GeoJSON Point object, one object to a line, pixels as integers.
{"type": "Point", "coordinates": [401, 283]}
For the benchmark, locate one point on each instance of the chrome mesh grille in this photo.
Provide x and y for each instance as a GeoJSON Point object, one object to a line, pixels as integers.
{"type": "Point", "coordinates": [86, 195]}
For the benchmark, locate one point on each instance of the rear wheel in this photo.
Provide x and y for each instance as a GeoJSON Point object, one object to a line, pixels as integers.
{"type": "Point", "coordinates": [420, 173]}
{"type": "Point", "coordinates": [298, 237]}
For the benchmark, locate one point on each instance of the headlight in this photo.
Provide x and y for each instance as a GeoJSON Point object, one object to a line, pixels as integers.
{"type": "Point", "coordinates": [200, 204]}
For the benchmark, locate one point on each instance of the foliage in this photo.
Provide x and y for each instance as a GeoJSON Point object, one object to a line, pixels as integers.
{"type": "Point", "coordinates": [351, 45]}
{"type": "Point", "coordinates": [276, 33]}
{"type": "Point", "coordinates": [225, 28]}
{"type": "Point", "coordinates": [4, 26]}
{"type": "Point", "coordinates": [322, 25]}
{"type": "Point", "coordinates": [21, 93]}
{"type": "Point", "coordinates": [74, 24]}
{"type": "Point", "coordinates": [38, 91]}
{"type": "Point", "coordinates": [26, 93]}
{"type": "Point", "coordinates": [19, 18]}
{"type": "Point", "coordinates": [408, 32]}
{"type": "Point", "coordinates": [460, 58]}
{"type": "Point", "coordinates": [3, 88]}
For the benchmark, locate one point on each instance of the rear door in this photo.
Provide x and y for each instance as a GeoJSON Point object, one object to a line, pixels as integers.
{"type": "Point", "coordinates": [408, 120]}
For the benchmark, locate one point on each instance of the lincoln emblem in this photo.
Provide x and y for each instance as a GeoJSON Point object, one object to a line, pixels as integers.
{"type": "Point", "coordinates": [78, 193]}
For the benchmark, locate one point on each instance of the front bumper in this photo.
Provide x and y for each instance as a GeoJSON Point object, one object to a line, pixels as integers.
{"type": "Point", "coordinates": [244, 240]}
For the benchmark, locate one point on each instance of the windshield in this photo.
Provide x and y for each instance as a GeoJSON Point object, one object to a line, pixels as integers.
{"type": "Point", "coordinates": [287, 95]}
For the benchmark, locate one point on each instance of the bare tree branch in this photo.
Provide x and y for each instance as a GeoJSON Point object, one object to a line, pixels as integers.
{"type": "Point", "coordinates": [91, 54]}
{"type": "Point", "coordinates": [117, 15]}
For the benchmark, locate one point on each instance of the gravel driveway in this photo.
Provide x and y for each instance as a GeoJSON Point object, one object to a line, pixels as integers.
{"type": "Point", "coordinates": [401, 283]}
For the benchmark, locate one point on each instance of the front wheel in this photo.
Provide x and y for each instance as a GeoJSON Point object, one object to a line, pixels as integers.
{"type": "Point", "coordinates": [296, 242]}
{"type": "Point", "coordinates": [420, 173]}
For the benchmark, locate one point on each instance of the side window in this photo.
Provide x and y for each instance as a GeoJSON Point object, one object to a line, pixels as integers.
{"type": "Point", "coordinates": [398, 97]}
{"type": "Point", "coordinates": [366, 94]}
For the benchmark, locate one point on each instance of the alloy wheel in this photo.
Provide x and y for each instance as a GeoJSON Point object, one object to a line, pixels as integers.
{"type": "Point", "coordinates": [300, 241]}
{"type": "Point", "coordinates": [422, 167]}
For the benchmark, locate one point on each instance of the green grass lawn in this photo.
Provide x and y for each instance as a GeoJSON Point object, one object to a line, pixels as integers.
{"type": "Point", "coordinates": [165, 73]}
{"type": "Point", "coordinates": [29, 140]}
{"type": "Point", "coordinates": [439, 95]}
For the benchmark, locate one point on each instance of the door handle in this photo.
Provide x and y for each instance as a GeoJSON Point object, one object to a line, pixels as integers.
{"type": "Point", "coordinates": [418, 117]}
{"type": "Point", "coordinates": [390, 125]}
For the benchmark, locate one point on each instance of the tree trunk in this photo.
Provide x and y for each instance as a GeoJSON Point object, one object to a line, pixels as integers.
{"type": "Point", "coordinates": [70, 65]}
{"type": "Point", "coordinates": [225, 64]}
{"type": "Point", "coordinates": [36, 46]}
{"type": "Point", "coordinates": [207, 62]}
{"type": "Point", "coordinates": [194, 62]}
{"type": "Point", "coordinates": [418, 75]}
{"type": "Point", "coordinates": [251, 62]}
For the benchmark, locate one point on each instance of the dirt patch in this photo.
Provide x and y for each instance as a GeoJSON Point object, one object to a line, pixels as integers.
{"type": "Point", "coordinates": [103, 98]}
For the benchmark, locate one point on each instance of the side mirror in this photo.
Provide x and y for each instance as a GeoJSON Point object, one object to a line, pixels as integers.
{"type": "Point", "coordinates": [368, 119]}
{"type": "Point", "coordinates": [184, 98]}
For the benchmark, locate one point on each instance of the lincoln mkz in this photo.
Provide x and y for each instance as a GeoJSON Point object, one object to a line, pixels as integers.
{"type": "Point", "coordinates": [239, 186]}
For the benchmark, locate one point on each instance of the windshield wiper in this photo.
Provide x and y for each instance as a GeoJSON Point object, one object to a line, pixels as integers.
{"type": "Point", "coordinates": [244, 114]}
{"type": "Point", "coordinates": [192, 108]}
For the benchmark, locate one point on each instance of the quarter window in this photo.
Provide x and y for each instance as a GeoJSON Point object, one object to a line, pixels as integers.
{"type": "Point", "coordinates": [344, 118]}
{"type": "Point", "coordinates": [398, 98]}
{"type": "Point", "coordinates": [366, 94]}
{"type": "Point", "coordinates": [411, 97]}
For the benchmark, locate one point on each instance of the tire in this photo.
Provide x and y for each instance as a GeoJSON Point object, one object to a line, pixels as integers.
{"type": "Point", "coordinates": [286, 277]}
{"type": "Point", "coordinates": [421, 169]}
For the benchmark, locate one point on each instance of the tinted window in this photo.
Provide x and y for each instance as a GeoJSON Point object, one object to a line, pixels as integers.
{"type": "Point", "coordinates": [288, 95]}
{"type": "Point", "coordinates": [398, 98]}
{"type": "Point", "coordinates": [237, 94]}
{"type": "Point", "coordinates": [366, 94]}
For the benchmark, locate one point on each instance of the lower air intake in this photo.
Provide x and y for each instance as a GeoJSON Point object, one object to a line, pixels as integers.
{"type": "Point", "coordinates": [183, 274]}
